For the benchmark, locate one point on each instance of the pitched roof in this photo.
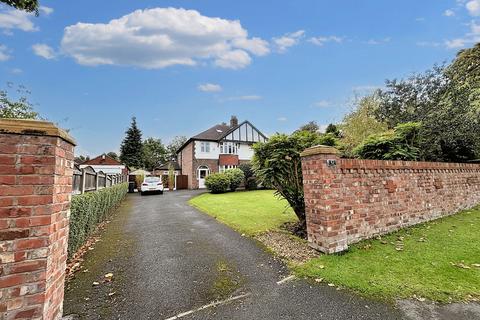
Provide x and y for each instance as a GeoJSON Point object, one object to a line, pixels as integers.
{"type": "Point", "coordinates": [214, 133]}
{"type": "Point", "coordinates": [166, 166]}
{"type": "Point", "coordinates": [103, 160]}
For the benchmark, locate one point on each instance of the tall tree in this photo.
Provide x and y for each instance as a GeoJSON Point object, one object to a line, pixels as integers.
{"type": "Point", "coordinates": [154, 153]}
{"type": "Point", "coordinates": [113, 155]}
{"type": "Point", "coordinates": [312, 126]}
{"type": "Point", "coordinates": [174, 145]}
{"type": "Point", "coordinates": [26, 5]}
{"type": "Point", "coordinates": [131, 149]}
{"type": "Point", "coordinates": [20, 109]}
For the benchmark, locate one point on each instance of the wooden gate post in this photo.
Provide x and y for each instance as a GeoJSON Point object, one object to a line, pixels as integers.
{"type": "Point", "coordinates": [36, 173]}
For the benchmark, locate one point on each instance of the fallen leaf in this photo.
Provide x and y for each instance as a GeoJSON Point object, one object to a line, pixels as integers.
{"type": "Point", "coordinates": [318, 279]}
{"type": "Point", "coordinates": [476, 265]}
{"type": "Point", "coordinates": [331, 285]}
{"type": "Point", "coordinates": [321, 266]}
{"type": "Point", "coordinates": [460, 265]}
{"type": "Point", "coordinates": [111, 294]}
{"type": "Point", "coordinates": [109, 275]}
{"type": "Point", "coordinates": [95, 283]}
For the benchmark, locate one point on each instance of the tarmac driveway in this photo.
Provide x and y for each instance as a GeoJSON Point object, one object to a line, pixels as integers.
{"type": "Point", "coordinates": [170, 261]}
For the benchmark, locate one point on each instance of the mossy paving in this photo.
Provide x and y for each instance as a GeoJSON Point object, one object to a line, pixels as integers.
{"type": "Point", "coordinates": [115, 248]}
{"type": "Point", "coordinates": [227, 281]}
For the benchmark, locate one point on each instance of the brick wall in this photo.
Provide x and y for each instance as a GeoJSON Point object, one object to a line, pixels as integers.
{"type": "Point", "coordinates": [348, 200]}
{"type": "Point", "coordinates": [36, 161]}
{"type": "Point", "coordinates": [186, 162]}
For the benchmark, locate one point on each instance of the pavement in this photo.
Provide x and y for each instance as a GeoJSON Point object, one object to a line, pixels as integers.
{"type": "Point", "coordinates": [170, 261]}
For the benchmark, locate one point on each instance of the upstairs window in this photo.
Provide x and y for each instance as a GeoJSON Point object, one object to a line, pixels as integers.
{"type": "Point", "coordinates": [205, 147]}
{"type": "Point", "coordinates": [229, 148]}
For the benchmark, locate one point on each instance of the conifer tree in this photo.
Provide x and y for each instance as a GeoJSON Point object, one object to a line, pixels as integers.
{"type": "Point", "coordinates": [131, 150]}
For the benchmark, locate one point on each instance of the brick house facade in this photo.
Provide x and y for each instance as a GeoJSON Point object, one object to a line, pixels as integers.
{"type": "Point", "coordinates": [217, 149]}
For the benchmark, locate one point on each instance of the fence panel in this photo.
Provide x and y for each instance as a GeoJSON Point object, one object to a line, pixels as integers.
{"type": "Point", "coordinates": [86, 180]}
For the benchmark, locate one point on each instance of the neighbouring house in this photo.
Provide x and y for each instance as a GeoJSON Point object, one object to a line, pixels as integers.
{"type": "Point", "coordinates": [164, 169]}
{"type": "Point", "coordinates": [105, 164]}
{"type": "Point", "coordinates": [217, 149]}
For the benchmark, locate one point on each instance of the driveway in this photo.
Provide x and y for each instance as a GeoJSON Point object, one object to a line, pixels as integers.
{"type": "Point", "coordinates": [170, 261]}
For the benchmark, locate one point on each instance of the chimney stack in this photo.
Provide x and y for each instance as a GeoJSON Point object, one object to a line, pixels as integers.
{"type": "Point", "coordinates": [233, 121]}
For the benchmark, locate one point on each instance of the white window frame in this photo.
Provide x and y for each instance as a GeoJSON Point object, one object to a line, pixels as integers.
{"type": "Point", "coordinates": [205, 147]}
{"type": "Point", "coordinates": [226, 167]}
{"type": "Point", "coordinates": [229, 147]}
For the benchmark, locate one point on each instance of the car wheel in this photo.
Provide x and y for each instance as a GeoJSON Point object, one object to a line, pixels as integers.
{"type": "Point", "coordinates": [161, 192]}
{"type": "Point", "coordinates": [142, 193]}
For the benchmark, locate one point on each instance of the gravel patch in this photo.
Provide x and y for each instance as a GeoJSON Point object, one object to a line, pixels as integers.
{"type": "Point", "coordinates": [287, 246]}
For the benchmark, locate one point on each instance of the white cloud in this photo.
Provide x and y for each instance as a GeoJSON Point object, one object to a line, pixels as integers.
{"type": "Point", "coordinates": [244, 98]}
{"type": "Point", "coordinates": [378, 41]}
{"type": "Point", "coordinates": [320, 41]}
{"type": "Point", "coordinates": [44, 51]}
{"type": "Point", "coordinates": [209, 87]}
{"type": "Point", "coordinates": [470, 38]}
{"type": "Point", "coordinates": [282, 119]}
{"type": "Point", "coordinates": [322, 104]}
{"type": "Point", "coordinates": [46, 10]}
{"type": "Point", "coordinates": [17, 19]}
{"type": "Point", "coordinates": [161, 37]}
{"type": "Point", "coordinates": [4, 53]}
{"type": "Point", "coordinates": [449, 13]}
{"type": "Point", "coordinates": [16, 71]}
{"type": "Point", "coordinates": [366, 88]}
{"type": "Point", "coordinates": [473, 7]}
{"type": "Point", "coordinates": [420, 19]}
{"type": "Point", "coordinates": [288, 40]}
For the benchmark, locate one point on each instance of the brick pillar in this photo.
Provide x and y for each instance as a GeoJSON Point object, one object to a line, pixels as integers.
{"type": "Point", "coordinates": [36, 163]}
{"type": "Point", "coordinates": [325, 220]}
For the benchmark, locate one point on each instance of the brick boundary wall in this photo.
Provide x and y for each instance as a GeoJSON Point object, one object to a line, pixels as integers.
{"type": "Point", "coordinates": [348, 200]}
{"type": "Point", "coordinates": [36, 166]}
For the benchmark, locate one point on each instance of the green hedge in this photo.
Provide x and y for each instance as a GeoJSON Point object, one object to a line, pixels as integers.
{"type": "Point", "coordinates": [88, 210]}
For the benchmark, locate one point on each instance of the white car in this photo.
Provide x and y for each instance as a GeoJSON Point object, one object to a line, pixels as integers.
{"type": "Point", "coordinates": [151, 184]}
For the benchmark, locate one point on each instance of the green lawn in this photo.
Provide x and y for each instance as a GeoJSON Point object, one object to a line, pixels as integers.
{"type": "Point", "coordinates": [249, 212]}
{"type": "Point", "coordinates": [439, 260]}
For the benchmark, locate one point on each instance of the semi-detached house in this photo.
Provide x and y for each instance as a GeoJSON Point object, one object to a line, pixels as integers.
{"type": "Point", "coordinates": [217, 149]}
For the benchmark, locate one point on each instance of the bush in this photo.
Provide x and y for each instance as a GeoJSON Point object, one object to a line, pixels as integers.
{"type": "Point", "coordinates": [236, 177]}
{"type": "Point", "coordinates": [277, 163]}
{"type": "Point", "coordinates": [217, 182]}
{"type": "Point", "coordinates": [89, 209]}
{"type": "Point", "coordinates": [400, 143]}
{"type": "Point", "coordinates": [251, 184]}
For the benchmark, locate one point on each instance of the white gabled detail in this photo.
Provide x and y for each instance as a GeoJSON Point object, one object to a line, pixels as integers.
{"type": "Point", "coordinates": [246, 132]}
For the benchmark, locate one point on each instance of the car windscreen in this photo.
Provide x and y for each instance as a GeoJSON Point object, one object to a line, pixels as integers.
{"type": "Point", "coordinates": [152, 179]}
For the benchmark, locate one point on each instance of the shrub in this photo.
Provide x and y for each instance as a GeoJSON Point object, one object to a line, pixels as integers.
{"type": "Point", "coordinates": [236, 177]}
{"type": "Point", "coordinates": [250, 180]}
{"type": "Point", "coordinates": [401, 143]}
{"type": "Point", "coordinates": [89, 209]}
{"type": "Point", "coordinates": [251, 184]}
{"type": "Point", "coordinates": [217, 182]}
{"type": "Point", "coordinates": [277, 163]}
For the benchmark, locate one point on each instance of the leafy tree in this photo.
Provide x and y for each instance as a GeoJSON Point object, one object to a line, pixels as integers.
{"type": "Point", "coordinates": [250, 180]}
{"type": "Point", "coordinates": [113, 155]}
{"type": "Point", "coordinates": [26, 5]}
{"type": "Point", "coordinates": [332, 129]}
{"type": "Point", "coordinates": [154, 153]}
{"type": "Point", "coordinates": [81, 158]}
{"type": "Point", "coordinates": [19, 109]}
{"type": "Point", "coordinates": [277, 163]}
{"type": "Point", "coordinates": [236, 178]}
{"type": "Point", "coordinates": [174, 145]}
{"type": "Point", "coordinates": [131, 149]}
{"type": "Point", "coordinates": [360, 124]}
{"type": "Point", "coordinates": [312, 126]}
{"type": "Point", "coordinates": [401, 143]}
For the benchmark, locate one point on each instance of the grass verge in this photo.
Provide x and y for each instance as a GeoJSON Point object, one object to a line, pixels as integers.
{"type": "Point", "coordinates": [249, 212]}
{"type": "Point", "coordinates": [438, 260]}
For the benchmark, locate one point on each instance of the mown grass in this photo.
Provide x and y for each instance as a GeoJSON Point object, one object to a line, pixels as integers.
{"type": "Point", "coordinates": [438, 260]}
{"type": "Point", "coordinates": [249, 212]}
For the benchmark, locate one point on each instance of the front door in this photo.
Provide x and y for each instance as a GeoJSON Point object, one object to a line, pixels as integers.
{"type": "Point", "coordinates": [202, 174]}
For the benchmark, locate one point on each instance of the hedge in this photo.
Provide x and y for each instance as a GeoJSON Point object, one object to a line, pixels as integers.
{"type": "Point", "coordinates": [217, 182]}
{"type": "Point", "coordinates": [88, 210]}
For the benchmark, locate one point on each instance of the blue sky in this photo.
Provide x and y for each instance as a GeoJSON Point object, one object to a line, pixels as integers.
{"type": "Point", "coordinates": [182, 66]}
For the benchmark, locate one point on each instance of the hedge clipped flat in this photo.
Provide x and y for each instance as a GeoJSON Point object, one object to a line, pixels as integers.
{"type": "Point", "coordinates": [88, 210]}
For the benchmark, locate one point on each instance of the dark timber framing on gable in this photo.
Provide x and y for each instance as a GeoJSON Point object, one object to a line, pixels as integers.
{"type": "Point", "coordinates": [245, 132]}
